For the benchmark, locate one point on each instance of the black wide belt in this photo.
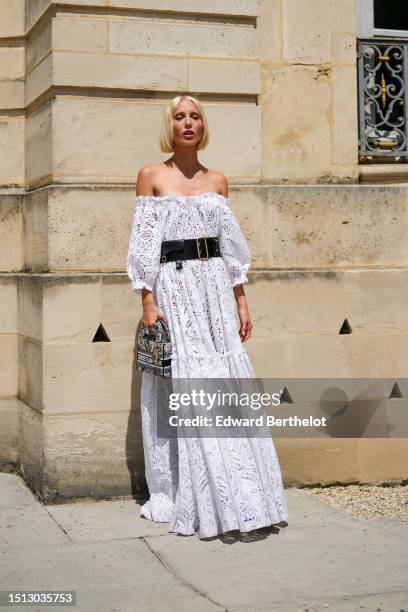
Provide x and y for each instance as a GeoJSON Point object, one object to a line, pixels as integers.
{"type": "Point", "coordinates": [190, 248]}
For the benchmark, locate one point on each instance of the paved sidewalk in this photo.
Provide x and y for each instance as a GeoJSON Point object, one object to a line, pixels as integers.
{"type": "Point", "coordinates": [116, 561]}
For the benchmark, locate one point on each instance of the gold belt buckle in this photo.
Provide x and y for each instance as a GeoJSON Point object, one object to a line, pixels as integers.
{"type": "Point", "coordinates": [198, 247]}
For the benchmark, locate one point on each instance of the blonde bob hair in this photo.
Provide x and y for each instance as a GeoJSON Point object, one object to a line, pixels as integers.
{"type": "Point", "coordinates": [167, 133]}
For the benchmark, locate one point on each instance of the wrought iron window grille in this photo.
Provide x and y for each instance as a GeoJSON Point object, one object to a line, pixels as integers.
{"type": "Point", "coordinates": [382, 100]}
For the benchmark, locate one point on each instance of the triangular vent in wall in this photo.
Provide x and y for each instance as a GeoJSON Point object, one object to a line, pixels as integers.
{"type": "Point", "coordinates": [101, 335]}
{"type": "Point", "coordinates": [345, 328]}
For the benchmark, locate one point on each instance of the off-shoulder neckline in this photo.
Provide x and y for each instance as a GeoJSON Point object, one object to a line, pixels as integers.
{"type": "Point", "coordinates": [184, 197]}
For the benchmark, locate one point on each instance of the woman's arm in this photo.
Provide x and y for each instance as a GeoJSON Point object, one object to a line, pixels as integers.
{"type": "Point", "coordinates": [145, 187]}
{"type": "Point", "coordinates": [239, 292]}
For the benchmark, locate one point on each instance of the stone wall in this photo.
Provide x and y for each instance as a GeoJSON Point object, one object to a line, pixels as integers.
{"type": "Point", "coordinates": [12, 72]}
{"type": "Point", "coordinates": [309, 91]}
{"type": "Point", "coordinates": [82, 88]}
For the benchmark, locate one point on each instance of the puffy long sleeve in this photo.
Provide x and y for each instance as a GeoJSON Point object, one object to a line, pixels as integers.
{"type": "Point", "coordinates": [143, 258]}
{"type": "Point", "coordinates": [234, 247]}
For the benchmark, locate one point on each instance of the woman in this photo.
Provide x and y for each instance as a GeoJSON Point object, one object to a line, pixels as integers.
{"type": "Point", "coordinates": [200, 486]}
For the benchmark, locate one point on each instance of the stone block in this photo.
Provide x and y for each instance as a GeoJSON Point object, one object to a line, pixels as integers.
{"type": "Point", "coordinates": [302, 302]}
{"type": "Point", "coordinates": [40, 79]}
{"type": "Point", "coordinates": [153, 73]}
{"type": "Point", "coordinates": [401, 355]}
{"type": "Point", "coordinates": [36, 231]}
{"type": "Point", "coordinates": [119, 71]}
{"type": "Point", "coordinates": [251, 213]}
{"type": "Point", "coordinates": [81, 3]}
{"type": "Point", "coordinates": [10, 432]}
{"type": "Point", "coordinates": [34, 11]}
{"type": "Point", "coordinates": [322, 356]}
{"type": "Point", "coordinates": [11, 95]}
{"type": "Point", "coordinates": [8, 305]}
{"type": "Point", "coordinates": [383, 460]}
{"type": "Point", "coordinates": [221, 76]}
{"type": "Point", "coordinates": [8, 365]}
{"type": "Point", "coordinates": [99, 140]}
{"type": "Point", "coordinates": [12, 151]}
{"type": "Point", "coordinates": [12, 18]}
{"type": "Point", "coordinates": [367, 356]}
{"type": "Point", "coordinates": [320, 461]}
{"type": "Point", "coordinates": [68, 309]}
{"type": "Point", "coordinates": [88, 377]}
{"type": "Point", "coordinates": [39, 44]}
{"type": "Point", "coordinates": [220, 7]}
{"type": "Point", "coordinates": [30, 372]}
{"type": "Point", "coordinates": [190, 38]}
{"type": "Point", "coordinates": [75, 305]}
{"type": "Point", "coordinates": [11, 63]}
{"type": "Point", "coordinates": [39, 147]}
{"type": "Point", "coordinates": [79, 33]}
{"type": "Point", "coordinates": [11, 232]}
{"type": "Point", "coordinates": [31, 447]}
{"type": "Point", "coordinates": [337, 226]}
{"type": "Point", "coordinates": [376, 300]}
{"type": "Point", "coordinates": [239, 156]}
{"type": "Point", "coordinates": [121, 308]}
{"type": "Point", "coordinates": [343, 49]}
{"type": "Point", "coordinates": [345, 116]}
{"type": "Point", "coordinates": [269, 26]}
{"type": "Point", "coordinates": [93, 455]}
{"type": "Point", "coordinates": [301, 148]}
{"type": "Point", "coordinates": [88, 230]}
{"type": "Point", "coordinates": [307, 29]}
{"type": "Point", "coordinates": [72, 308]}
{"type": "Point", "coordinates": [56, 239]}
{"type": "Point", "coordinates": [30, 307]}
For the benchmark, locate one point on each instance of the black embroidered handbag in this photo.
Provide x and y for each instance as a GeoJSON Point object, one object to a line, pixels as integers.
{"type": "Point", "coordinates": [153, 352]}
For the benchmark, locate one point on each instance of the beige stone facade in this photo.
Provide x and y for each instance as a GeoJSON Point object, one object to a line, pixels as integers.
{"type": "Point", "coordinates": [82, 88]}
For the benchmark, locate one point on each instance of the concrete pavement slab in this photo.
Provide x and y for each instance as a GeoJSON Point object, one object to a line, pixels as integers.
{"type": "Point", "coordinates": [104, 520]}
{"type": "Point", "coordinates": [311, 559]}
{"type": "Point", "coordinates": [115, 576]}
{"type": "Point", "coordinates": [23, 518]}
{"type": "Point", "coordinates": [116, 560]}
{"type": "Point", "coordinates": [14, 491]}
{"type": "Point", "coordinates": [380, 602]}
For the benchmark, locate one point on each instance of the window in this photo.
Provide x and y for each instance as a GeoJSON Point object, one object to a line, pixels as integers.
{"type": "Point", "coordinates": [382, 51]}
{"type": "Point", "coordinates": [391, 15]}
{"type": "Point", "coordinates": [379, 18]}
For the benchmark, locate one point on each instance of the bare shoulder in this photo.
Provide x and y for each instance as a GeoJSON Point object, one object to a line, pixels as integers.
{"type": "Point", "coordinates": [221, 182]}
{"type": "Point", "coordinates": [146, 179]}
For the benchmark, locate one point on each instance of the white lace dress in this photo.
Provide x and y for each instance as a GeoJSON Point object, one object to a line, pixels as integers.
{"type": "Point", "coordinates": [202, 486]}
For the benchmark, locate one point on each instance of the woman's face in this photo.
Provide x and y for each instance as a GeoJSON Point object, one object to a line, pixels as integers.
{"type": "Point", "coordinates": [187, 124]}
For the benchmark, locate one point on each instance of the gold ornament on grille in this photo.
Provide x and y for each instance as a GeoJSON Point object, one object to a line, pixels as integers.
{"type": "Point", "coordinates": [383, 90]}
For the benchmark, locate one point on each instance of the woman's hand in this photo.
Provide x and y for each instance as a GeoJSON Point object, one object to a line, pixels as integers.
{"type": "Point", "coordinates": [151, 312]}
{"type": "Point", "coordinates": [243, 313]}
{"type": "Point", "coordinates": [246, 325]}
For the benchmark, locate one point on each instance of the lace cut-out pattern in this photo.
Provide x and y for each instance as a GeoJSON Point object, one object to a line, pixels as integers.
{"type": "Point", "coordinates": [202, 486]}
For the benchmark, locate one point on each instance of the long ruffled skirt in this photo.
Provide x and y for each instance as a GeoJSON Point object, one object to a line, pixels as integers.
{"type": "Point", "coordinates": [205, 486]}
